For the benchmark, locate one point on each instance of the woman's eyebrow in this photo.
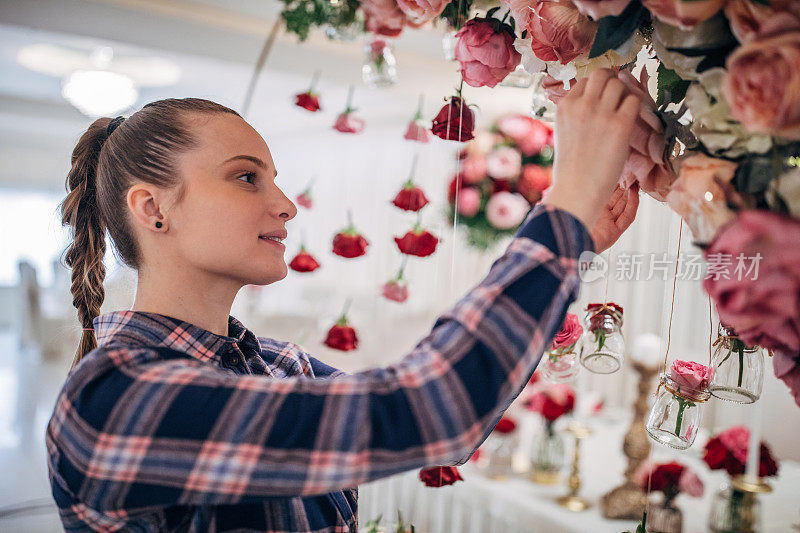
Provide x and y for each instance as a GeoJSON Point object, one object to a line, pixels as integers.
{"type": "Point", "coordinates": [250, 158]}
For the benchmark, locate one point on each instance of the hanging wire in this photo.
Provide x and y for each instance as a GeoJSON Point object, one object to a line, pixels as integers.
{"type": "Point", "coordinates": [262, 59]}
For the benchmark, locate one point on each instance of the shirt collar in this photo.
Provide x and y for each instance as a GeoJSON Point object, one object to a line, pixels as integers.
{"type": "Point", "coordinates": [142, 328]}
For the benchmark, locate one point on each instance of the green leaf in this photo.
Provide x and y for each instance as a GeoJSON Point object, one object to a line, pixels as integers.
{"type": "Point", "coordinates": [713, 56]}
{"type": "Point", "coordinates": [670, 84]}
{"type": "Point", "coordinates": [492, 12]}
{"type": "Point", "coordinates": [614, 31]}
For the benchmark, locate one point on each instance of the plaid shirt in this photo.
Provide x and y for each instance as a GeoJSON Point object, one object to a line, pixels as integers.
{"type": "Point", "coordinates": [169, 427]}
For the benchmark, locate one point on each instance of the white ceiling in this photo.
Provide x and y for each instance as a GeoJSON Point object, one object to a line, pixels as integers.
{"type": "Point", "coordinates": [215, 43]}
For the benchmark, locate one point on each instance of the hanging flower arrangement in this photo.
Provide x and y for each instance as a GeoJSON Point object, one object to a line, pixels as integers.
{"type": "Point", "coordinates": [342, 336]}
{"type": "Point", "coordinates": [349, 243]}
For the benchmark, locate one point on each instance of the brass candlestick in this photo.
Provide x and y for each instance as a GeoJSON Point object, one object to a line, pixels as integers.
{"type": "Point", "coordinates": [629, 500]}
{"type": "Point", "coordinates": [571, 500]}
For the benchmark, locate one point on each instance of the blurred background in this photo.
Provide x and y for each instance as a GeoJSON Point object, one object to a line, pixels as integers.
{"type": "Point", "coordinates": [209, 48]}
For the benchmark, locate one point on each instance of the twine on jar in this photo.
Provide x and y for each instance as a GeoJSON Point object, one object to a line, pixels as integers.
{"type": "Point", "coordinates": [609, 310]}
{"type": "Point", "coordinates": [685, 396]}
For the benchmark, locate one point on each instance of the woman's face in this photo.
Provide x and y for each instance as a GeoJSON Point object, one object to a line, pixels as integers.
{"type": "Point", "coordinates": [230, 202]}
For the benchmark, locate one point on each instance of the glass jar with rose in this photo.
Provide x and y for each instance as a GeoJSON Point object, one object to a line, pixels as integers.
{"type": "Point", "coordinates": [738, 368]}
{"type": "Point", "coordinates": [676, 413]}
{"type": "Point", "coordinates": [670, 479]}
{"type": "Point", "coordinates": [499, 448]}
{"type": "Point", "coordinates": [380, 67]}
{"type": "Point", "coordinates": [602, 345]}
{"type": "Point", "coordinates": [560, 364]}
{"type": "Point", "coordinates": [734, 510]}
{"type": "Point", "coordinates": [547, 457]}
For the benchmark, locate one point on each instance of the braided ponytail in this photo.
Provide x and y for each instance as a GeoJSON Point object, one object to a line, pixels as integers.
{"type": "Point", "coordinates": [80, 211]}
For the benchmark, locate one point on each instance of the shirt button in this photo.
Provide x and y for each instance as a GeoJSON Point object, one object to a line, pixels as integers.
{"type": "Point", "coordinates": [232, 359]}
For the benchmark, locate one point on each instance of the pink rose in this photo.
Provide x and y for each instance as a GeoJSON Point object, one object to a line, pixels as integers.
{"type": "Point", "coordinates": [570, 332]}
{"type": "Point", "coordinates": [395, 290]}
{"type": "Point", "coordinates": [691, 376]}
{"type": "Point", "coordinates": [506, 210]}
{"type": "Point", "coordinates": [736, 439]}
{"type": "Point", "coordinates": [787, 369]}
{"type": "Point", "coordinates": [559, 32]}
{"type": "Point", "coordinates": [486, 56]}
{"type": "Point", "coordinates": [417, 131]}
{"type": "Point", "coordinates": [469, 201]}
{"type": "Point", "coordinates": [762, 82]}
{"type": "Point", "coordinates": [643, 473]}
{"type": "Point", "coordinates": [383, 17]}
{"type": "Point", "coordinates": [474, 169]}
{"type": "Point", "coordinates": [764, 311]}
{"type": "Point", "coordinates": [648, 160]}
{"type": "Point", "coordinates": [683, 13]}
{"type": "Point", "coordinates": [690, 484]}
{"type": "Point", "coordinates": [534, 182]}
{"type": "Point", "coordinates": [529, 134]}
{"type": "Point", "coordinates": [348, 123]}
{"type": "Point", "coordinates": [504, 163]}
{"type": "Point", "coordinates": [697, 197]}
{"type": "Point", "coordinates": [747, 16]}
{"type": "Point", "coordinates": [598, 9]}
{"type": "Point", "coordinates": [422, 11]}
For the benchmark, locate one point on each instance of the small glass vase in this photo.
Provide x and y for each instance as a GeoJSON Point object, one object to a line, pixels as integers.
{"type": "Point", "coordinates": [380, 67]}
{"type": "Point", "coordinates": [518, 77]}
{"type": "Point", "coordinates": [500, 454]}
{"type": "Point", "coordinates": [602, 344]}
{"type": "Point", "coordinates": [560, 367]}
{"type": "Point", "coordinates": [676, 414]}
{"type": "Point", "coordinates": [541, 106]}
{"type": "Point", "coordinates": [738, 368]}
{"type": "Point", "coordinates": [547, 458]}
{"type": "Point", "coordinates": [664, 518]}
{"type": "Point", "coordinates": [734, 511]}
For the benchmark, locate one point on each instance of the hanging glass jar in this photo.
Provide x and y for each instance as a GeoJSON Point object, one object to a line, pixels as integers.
{"type": "Point", "coordinates": [380, 67]}
{"type": "Point", "coordinates": [738, 368]}
{"type": "Point", "coordinates": [547, 458]}
{"type": "Point", "coordinates": [676, 413]}
{"type": "Point", "coordinates": [560, 366]}
{"type": "Point", "coordinates": [602, 344]}
{"type": "Point", "coordinates": [541, 106]}
{"type": "Point", "coordinates": [734, 511]}
{"type": "Point", "coordinates": [518, 77]}
{"type": "Point", "coordinates": [500, 451]}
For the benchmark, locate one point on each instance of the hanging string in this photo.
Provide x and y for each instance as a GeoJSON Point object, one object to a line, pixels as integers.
{"type": "Point", "coordinates": [710, 330]}
{"type": "Point", "coordinates": [262, 59]}
{"type": "Point", "coordinates": [671, 306]}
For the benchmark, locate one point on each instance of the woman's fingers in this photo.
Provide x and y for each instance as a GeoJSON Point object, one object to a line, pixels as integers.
{"type": "Point", "coordinates": [620, 200]}
{"type": "Point", "coordinates": [627, 216]}
{"type": "Point", "coordinates": [612, 95]}
{"type": "Point", "coordinates": [597, 82]}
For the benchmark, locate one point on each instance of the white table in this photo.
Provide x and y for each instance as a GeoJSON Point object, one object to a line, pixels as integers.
{"type": "Point", "coordinates": [481, 505]}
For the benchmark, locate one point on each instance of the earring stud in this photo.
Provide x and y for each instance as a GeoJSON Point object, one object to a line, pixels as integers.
{"type": "Point", "coordinates": [159, 224]}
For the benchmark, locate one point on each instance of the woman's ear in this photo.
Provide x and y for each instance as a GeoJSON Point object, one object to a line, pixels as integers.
{"type": "Point", "coordinates": [145, 205]}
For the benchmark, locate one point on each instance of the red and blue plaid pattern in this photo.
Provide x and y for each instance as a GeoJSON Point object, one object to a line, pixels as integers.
{"type": "Point", "coordinates": [169, 427]}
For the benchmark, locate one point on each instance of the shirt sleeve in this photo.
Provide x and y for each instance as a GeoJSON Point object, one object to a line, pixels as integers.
{"type": "Point", "coordinates": [177, 432]}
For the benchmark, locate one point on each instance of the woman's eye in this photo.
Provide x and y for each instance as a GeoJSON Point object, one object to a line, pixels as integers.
{"type": "Point", "coordinates": [249, 177]}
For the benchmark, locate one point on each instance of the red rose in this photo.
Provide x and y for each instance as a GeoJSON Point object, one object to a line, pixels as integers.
{"type": "Point", "coordinates": [455, 121]}
{"type": "Point", "coordinates": [455, 184]}
{"type": "Point", "coordinates": [419, 242]}
{"type": "Point", "coordinates": [506, 425]}
{"type": "Point", "coordinates": [439, 476]}
{"type": "Point", "coordinates": [501, 186]}
{"type": "Point", "coordinates": [553, 402]}
{"type": "Point", "coordinates": [307, 100]}
{"type": "Point", "coordinates": [728, 451]}
{"type": "Point", "coordinates": [666, 476]}
{"type": "Point", "coordinates": [342, 336]}
{"type": "Point", "coordinates": [304, 262]}
{"type": "Point", "coordinates": [348, 242]}
{"type": "Point", "coordinates": [395, 290]}
{"type": "Point", "coordinates": [410, 197]}
{"type": "Point", "coordinates": [304, 199]}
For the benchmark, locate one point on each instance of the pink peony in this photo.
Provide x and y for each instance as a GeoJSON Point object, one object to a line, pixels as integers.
{"type": "Point", "coordinates": [486, 56]}
{"type": "Point", "coordinates": [422, 11]}
{"type": "Point", "coordinates": [383, 17]}
{"type": "Point", "coordinates": [684, 14]}
{"type": "Point", "coordinates": [529, 134]}
{"type": "Point", "coordinates": [469, 201]}
{"type": "Point", "coordinates": [417, 131]}
{"type": "Point", "coordinates": [348, 123]}
{"type": "Point", "coordinates": [746, 16]}
{"type": "Point", "coordinates": [504, 163]}
{"type": "Point", "coordinates": [764, 311]}
{"type": "Point", "coordinates": [395, 290]}
{"type": "Point", "coordinates": [691, 376]}
{"type": "Point", "coordinates": [559, 32]}
{"type": "Point", "coordinates": [506, 210]}
{"type": "Point", "coordinates": [787, 368]}
{"type": "Point", "coordinates": [689, 483]}
{"type": "Point", "coordinates": [474, 169]}
{"type": "Point", "coordinates": [698, 198]}
{"type": "Point", "coordinates": [762, 83]}
{"type": "Point", "coordinates": [597, 9]}
{"type": "Point", "coordinates": [570, 332]}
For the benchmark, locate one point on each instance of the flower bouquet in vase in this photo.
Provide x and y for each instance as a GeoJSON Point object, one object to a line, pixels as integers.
{"type": "Point", "coordinates": [670, 479]}
{"type": "Point", "coordinates": [560, 364]}
{"type": "Point", "coordinates": [602, 345]}
{"type": "Point", "coordinates": [547, 457]}
{"type": "Point", "coordinates": [738, 368]}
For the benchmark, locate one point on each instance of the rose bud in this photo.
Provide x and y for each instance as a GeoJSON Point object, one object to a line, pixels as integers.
{"type": "Point", "coordinates": [505, 426]}
{"type": "Point", "coordinates": [455, 121]}
{"type": "Point", "coordinates": [347, 122]}
{"type": "Point", "coordinates": [307, 100]}
{"type": "Point", "coordinates": [348, 242]}
{"type": "Point", "coordinates": [417, 131]}
{"type": "Point", "coordinates": [410, 197]}
{"type": "Point", "coordinates": [304, 262]}
{"type": "Point", "coordinates": [395, 290]}
{"type": "Point", "coordinates": [304, 199]}
{"type": "Point", "coordinates": [418, 241]}
{"type": "Point", "coordinates": [439, 476]}
{"type": "Point", "coordinates": [342, 336]}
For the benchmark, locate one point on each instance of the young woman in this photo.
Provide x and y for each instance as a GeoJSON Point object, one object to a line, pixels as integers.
{"type": "Point", "coordinates": [181, 419]}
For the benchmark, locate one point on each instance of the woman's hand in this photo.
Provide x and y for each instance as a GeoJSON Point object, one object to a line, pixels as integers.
{"type": "Point", "coordinates": [593, 128]}
{"type": "Point", "coordinates": [617, 215]}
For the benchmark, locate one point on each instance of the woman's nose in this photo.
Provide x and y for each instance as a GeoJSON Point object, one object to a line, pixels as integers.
{"type": "Point", "coordinates": [284, 206]}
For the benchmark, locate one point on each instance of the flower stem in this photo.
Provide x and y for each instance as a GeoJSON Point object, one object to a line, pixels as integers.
{"type": "Point", "coordinates": [741, 364]}
{"type": "Point", "coordinates": [314, 79]}
{"type": "Point", "coordinates": [681, 406]}
{"type": "Point", "coordinates": [348, 107]}
{"type": "Point", "coordinates": [350, 224]}
{"type": "Point", "coordinates": [418, 116]}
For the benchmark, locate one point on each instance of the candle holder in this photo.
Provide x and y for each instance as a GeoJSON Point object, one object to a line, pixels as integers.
{"type": "Point", "coordinates": [736, 509]}
{"type": "Point", "coordinates": [571, 500]}
{"type": "Point", "coordinates": [628, 501]}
